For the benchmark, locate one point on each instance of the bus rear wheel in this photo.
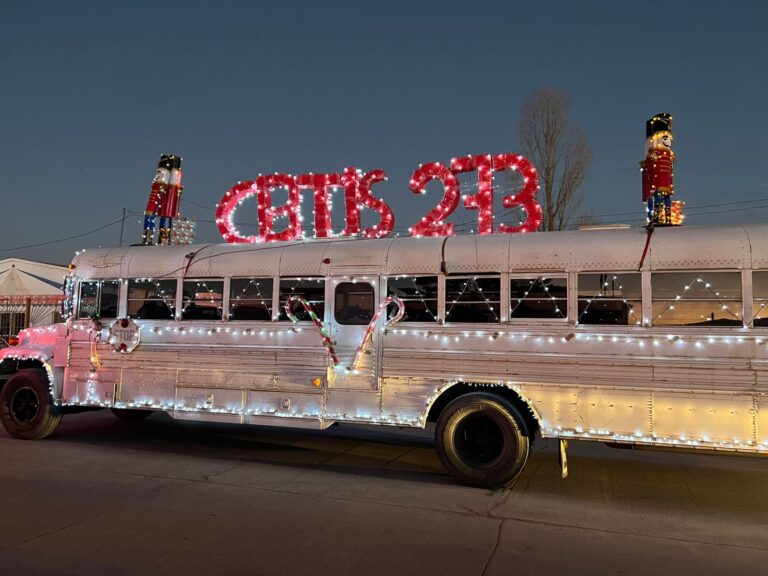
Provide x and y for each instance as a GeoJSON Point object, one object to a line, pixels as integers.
{"type": "Point", "coordinates": [26, 408]}
{"type": "Point", "coordinates": [482, 440]}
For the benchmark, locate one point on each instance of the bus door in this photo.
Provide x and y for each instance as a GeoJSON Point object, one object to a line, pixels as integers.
{"type": "Point", "coordinates": [354, 299]}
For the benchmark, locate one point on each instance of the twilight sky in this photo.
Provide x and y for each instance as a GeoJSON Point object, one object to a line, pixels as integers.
{"type": "Point", "coordinates": [93, 93]}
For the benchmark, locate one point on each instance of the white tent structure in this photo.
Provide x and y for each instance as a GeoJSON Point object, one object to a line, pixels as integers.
{"type": "Point", "coordinates": [28, 288]}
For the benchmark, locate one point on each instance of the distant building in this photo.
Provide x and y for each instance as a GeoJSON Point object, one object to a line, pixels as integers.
{"type": "Point", "coordinates": [24, 285]}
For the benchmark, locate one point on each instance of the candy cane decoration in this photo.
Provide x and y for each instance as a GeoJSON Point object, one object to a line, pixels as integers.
{"type": "Point", "coordinates": [326, 337]}
{"type": "Point", "coordinates": [318, 324]}
{"type": "Point", "coordinates": [382, 306]}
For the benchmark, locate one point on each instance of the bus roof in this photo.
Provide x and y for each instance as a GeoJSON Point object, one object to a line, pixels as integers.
{"type": "Point", "coordinates": [679, 248]}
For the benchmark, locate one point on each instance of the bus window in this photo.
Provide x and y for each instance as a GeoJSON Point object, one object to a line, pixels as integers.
{"type": "Point", "coordinates": [98, 299]}
{"type": "Point", "coordinates": [311, 289]}
{"type": "Point", "coordinates": [419, 294]}
{"type": "Point", "coordinates": [539, 297]}
{"type": "Point", "coordinates": [150, 299]}
{"type": "Point", "coordinates": [696, 299]}
{"type": "Point", "coordinates": [202, 299]}
{"type": "Point", "coordinates": [354, 303]}
{"type": "Point", "coordinates": [610, 298]}
{"type": "Point", "coordinates": [250, 299]}
{"type": "Point", "coordinates": [89, 300]}
{"type": "Point", "coordinates": [760, 298]}
{"type": "Point", "coordinates": [473, 299]}
{"type": "Point", "coordinates": [108, 298]}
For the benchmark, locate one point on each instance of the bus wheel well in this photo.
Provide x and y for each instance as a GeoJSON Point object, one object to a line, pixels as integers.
{"type": "Point", "coordinates": [9, 367]}
{"type": "Point", "coordinates": [507, 394]}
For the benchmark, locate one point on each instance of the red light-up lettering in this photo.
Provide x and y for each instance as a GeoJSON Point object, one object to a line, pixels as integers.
{"type": "Point", "coordinates": [483, 200]}
{"type": "Point", "coordinates": [433, 223]}
{"type": "Point", "coordinates": [225, 211]}
{"type": "Point", "coordinates": [526, 197]}
{"type": "Point", "coordinates": [320, 184]}
{"type": "Point", "coordinates": [367, 199]}
{"type": "Point", "coordinates": [291, 208]}
{"type": "Point", "coordinates": [350, 180]}
{"type": "Point", "coordinates": [358, 194]}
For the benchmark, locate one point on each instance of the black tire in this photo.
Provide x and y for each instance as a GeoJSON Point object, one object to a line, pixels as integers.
{"type": "Point", "coordinates": [130, 414]}
{"type": "Point", "coordinates": [482, 440]}
{"type": "Point", "coordinates": [26, 407]}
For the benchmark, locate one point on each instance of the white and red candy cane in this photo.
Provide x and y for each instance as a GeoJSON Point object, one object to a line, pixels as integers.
{"type": "Point", "coordinates": [318, 324]}
{"type": "Point", "coordinates": [368, 331]}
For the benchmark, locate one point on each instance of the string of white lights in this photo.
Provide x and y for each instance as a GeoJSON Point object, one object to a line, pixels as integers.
{"type": "Point", "coordinates": [707, 286]}
{"type": "Point", "coordinates": [599, 295]}
{"type": "Point", "coordinates": [267, 303]}
{"type": "Point", "coordinates": [532, 284]}
{"type": "Point", "coordinates": [479, 291]}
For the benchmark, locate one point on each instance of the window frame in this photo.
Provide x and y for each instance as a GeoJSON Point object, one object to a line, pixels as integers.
{"type": "Point", "coordinates": [639, 312]}
{"type": "Point", "coordinates": [448, 306]}
{"type": "Point", "coordinates": [335, 316]}
{"type": "Point", "coordinates": [753, 301]}
{"type": "Point", "coordinates": [566, 308]}
{"type": "Point", "coordinates": [439, 287]}
{"type": "Point", "coordinates": [176, 299]}
{"type": "Point", "coordinates": [280, 315]}
{"type": "Point", "coordinates": [99, 285]}
{"type": "Point", "coordinates": [741, 304]}
{"type": "Point", "coordinates": [273, 297]}
{"type": "Point", "coordinates": [184, 303]}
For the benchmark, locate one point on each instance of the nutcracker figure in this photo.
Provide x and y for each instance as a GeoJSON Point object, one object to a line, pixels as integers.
{"type": "Point", "coordinates": [157, 195]}
{"type": "Point", "coordinates": [170, 207]}
{"type": "Point", "coordinates": [658, 171]}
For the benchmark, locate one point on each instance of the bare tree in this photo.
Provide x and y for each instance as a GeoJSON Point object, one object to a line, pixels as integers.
{"type": "Point", "coordinates": [558, 149]}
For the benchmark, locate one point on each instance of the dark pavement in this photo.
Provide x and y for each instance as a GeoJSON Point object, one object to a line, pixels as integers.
{"type": "Point", "coordinates": [106, 497]}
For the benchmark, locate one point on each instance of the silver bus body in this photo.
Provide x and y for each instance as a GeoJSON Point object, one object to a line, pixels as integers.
{"type": "Point", "coordinates": [651, 382]}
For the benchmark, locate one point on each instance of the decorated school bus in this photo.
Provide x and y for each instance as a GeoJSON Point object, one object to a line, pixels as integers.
{"type": "Point", "coordinates": [499, 339]}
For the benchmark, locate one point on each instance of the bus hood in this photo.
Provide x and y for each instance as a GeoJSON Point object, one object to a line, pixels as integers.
{"type": "Point", "coordinates": [36, 343]}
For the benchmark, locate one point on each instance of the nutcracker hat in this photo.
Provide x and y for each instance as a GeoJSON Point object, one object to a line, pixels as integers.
{"type": "Point", "coordinates": [166, 161]}
{"type": "Point", "coordinates": [175, 161]}
{"type": "Point", "coordinates": [659, 123]}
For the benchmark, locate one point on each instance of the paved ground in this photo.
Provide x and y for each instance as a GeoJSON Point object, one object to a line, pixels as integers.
{"type": "Point", "coordinates": [104, 497]}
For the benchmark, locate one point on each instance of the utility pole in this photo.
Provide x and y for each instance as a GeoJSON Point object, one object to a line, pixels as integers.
{"type": "Point", "coordinates": [122, 225]}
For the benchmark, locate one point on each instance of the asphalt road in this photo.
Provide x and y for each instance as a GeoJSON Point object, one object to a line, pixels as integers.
{"type": "Point", "coordinates": [105, 497]}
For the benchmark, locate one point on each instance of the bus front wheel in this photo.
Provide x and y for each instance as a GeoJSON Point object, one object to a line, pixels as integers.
{"type": "Point", "coordinates": [482, 440]}
{"type": "Point", "coordinates": [26, 408]}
